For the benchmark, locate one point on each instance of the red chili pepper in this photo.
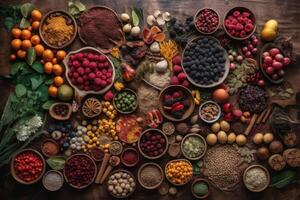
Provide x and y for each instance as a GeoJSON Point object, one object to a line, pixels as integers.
{"type": "Point", "coordinates": [175, 104]}
{"type": "Point", "coordinates": [178, 108]}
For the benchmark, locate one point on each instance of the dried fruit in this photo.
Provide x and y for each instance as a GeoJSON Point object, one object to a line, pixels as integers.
{"type": "Point", "coordinates": [92, 107]}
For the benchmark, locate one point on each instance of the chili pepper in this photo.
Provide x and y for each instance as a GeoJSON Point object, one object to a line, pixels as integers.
{"type": "Point", "coordinates": [175, 104]}
{"type": "Point", "coordinates": [178, 108]}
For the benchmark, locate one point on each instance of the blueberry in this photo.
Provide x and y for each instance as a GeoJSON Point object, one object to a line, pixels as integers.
{"type": "Point", "coordinates": [63, 129]}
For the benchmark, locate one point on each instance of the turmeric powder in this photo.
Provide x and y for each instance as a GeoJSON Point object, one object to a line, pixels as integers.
{"type": "Point", "coordinates": [56, 30]}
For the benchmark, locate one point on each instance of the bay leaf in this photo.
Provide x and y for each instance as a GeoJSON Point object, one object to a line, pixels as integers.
{"type": "Point", "coordinates": [135, 18]}
{"type": "Point", "coordinates": [20, 90]}
{"type": "Point", "coordinates": [283, 179]}
{"type": "Point", "coordinates": [56, 163]}
{"type": "Point", "coordinates": [24, 23]}
{"type": "Point", "coordinates": [26, 9]}
{"type": "Point", "coordinates": [38, 67]}
{"type": "Point", "coordinates": [30, 55]}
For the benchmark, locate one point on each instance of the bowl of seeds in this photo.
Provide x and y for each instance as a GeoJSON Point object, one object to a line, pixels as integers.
{"type": "Point", "coordinates": [210, 112]}
{"type": "Point", "coordinates": [256, 178]}
{"type": "Point", "coordinates": [150, 175]}
{"type": "Point", "coordinates": [125, 101]}
{"type": "Point", "coordinates": [193, 146]}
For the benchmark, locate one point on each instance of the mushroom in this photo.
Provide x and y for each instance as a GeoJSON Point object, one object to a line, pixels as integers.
{"type": "Point", "coordinates": [166, 16]}
{"type": "Point", "coordinates": [160, 21]}
{"type": "Point", "coordinates": [157, 14]}
{"type": "Point", "coordinates": [151, 20]}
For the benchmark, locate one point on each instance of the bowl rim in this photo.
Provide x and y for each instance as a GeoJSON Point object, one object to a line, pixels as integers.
{"type": "Point", "coordinates": [12, 168]}
{"type": "Point", "coordinates": [116, 141]}
{"type": "Point", "coordinates": [61, 118]}
{"type": "Point", "coordinates": [261, 167]}
{"type": "Point", "coordinates": [190, 109]}
{"type": "Point", "coordinates": [217, 117]}
{"type": "Point", "coordinates": [95, 171]}
{"type": "Point", "coordinates": [196, 180]}
{"type": "Point", "coordinates": [67, 43]}
{"type": "Point", "coordinates": [193, 135]}
{"type": "Point", "coordinates": [136, 98]}
{"type": "Point", "coordinates": [129, 149]}
{"type": "Point", "coordinates": [155, 130]}
{"type": "Point", "coordinates": [227, 63]}
{"type": "Point", "coordinates": [241, 8]}
{"type": "Point", "coordinates": [53, 171]}
{"type": "Point", "coordinates": [176, 160]}
{"type": "Point", "coordinates": [81, 92]}
{"type": "Point", "coordinates": [139, 174]}
{"type": "Point", "coordinates": [49, 140]}
{"type": "Point", "coordinates": [197, 28]}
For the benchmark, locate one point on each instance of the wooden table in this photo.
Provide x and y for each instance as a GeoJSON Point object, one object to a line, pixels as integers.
{"type": "Point", "coordinates": [286, 12]}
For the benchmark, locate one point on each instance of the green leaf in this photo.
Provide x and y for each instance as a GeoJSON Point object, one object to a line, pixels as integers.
{"type": "Point", "coordinates": [75, 7]}
{"type": "Point", "coordinates": [81, 7]}
{"type": "Point", "coordinates": [16, 67]}
{"type": "Point", "coordinates": [49, 81]}
{"type": "Point", "coordinates": [47, 104]}
{"type": "Point", "coordinates": [31, 55]}
{"type": "Point", "coordinates": [43, 89]}
{"type": "Point", "coordinates": [135, 18]}
{"type": "Point", "coordinates": [38, 67]}
{"type": "Point", "coordinates": [9, 22]}
{"type": "Point", "coordinates": [20, 90]}
{"type": "Point", "coordinates": [283, 179]}
{"type": "Point", "coordinates": [24, 23]}
{"type": "Point", "coordinates": [56, 163]}
{"type": "Point", "coordinates": [26, 9]}
{"type": "Point", "coordinates": [36, 81]}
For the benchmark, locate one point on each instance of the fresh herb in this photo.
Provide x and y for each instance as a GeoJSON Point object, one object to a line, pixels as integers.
{"type": "Point", "coordinates": [56, 163]}
{"type": "Point", "coordinates": [137, 16]}
{"type": "Point", "coordinates": [75, 8]}
{"type": "Point", "coordinates": [11, 16]}
{"type": "Point", "coordinates": [283, 179]}
{"type": "Point", "coordinates": [26, 10]}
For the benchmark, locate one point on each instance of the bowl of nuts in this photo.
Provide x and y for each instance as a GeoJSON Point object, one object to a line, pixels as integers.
{"type": "Point", "coordinates": [210, 111]}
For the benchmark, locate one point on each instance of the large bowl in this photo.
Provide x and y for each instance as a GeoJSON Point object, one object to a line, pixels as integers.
{"type": "Point", "coordinates": [77, 90]}
{"type": "Point", "coordinates": [13, 172]}
{"type": "Point", "coordinates": [139, 175]}
{"type": "Point", "coordinates": [227, 65]}
{"type": "Point", "coordinates": [187, 92]}
{"type": "Point", "coordinates": [193, 135]}
{"type": "Point", "coordinates": [198, 12]}
{"type": "Point", "coordinates": [176, 161]}
{"type": "Point", "coordinates": [241, 9]}
{"type": "Point", "coordinates": [62, 13]}
{"type": "Point", "coordinates": [265, 170]}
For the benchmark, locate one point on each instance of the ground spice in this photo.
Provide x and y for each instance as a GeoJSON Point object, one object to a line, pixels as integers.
{"type": "Point", "coordinates": [53, 180]}
{"type": "Point", "coordinates": [57, 30]}
{"type": "Point", "coordinates": [130, 157]}
{"type": "Point", "coordinates": [150, 176]}
{"type": "Point", "coordinates": [50, 148]}
{"type": "Point", "coordinates": [160, 80]}
{"type": "Point", "coordinates": [147, 98]}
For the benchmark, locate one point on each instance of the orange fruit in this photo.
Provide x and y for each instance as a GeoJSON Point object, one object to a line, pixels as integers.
{"type": "Point", "coordinates": [21, 54]}
{"type": "Point", "coordinates": [39, 49]}
{"type": "Point", "coordinates": [58, 69]}
{"type": "Point", "coordinates": [36, 15]}
{"type": "Point", "coordinates": [29, 28]}
{"type": "Point", "coordinates": [48, 55]}
{"type": "Point", "coordinates": [13, 57]}
{"type": "Point", "coordinates": [58, 81]}
{"type": "Point", "coordinates": [35, 25]}
{"type": "Point", "coordinates": [54, 61]}
{"type": "Point", "coordinates": [16, 44]}
{"type": "Point", "coordinates": [52, 91]}
{"type": "Point", "coordinates": [61, 54]}
{"type": "Point", "coordinates": [35, 39]}
{"type": "Point", "coordinates": [26, 44]}
{"type": "Point", "coordinates": [16, 32]}
{"type": "Point", "coordinates": [26, 34]}
{"type": "Point", "coordinates": [48, 67]}
{"type": "Point", "coordinates": [159, 37]}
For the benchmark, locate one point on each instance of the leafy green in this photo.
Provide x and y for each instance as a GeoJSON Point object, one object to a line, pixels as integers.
{"type": "Point", "coordinates": [20, 90]}
{"type": "Point", "coordinates": [75, 7]}
{"type": "Point", "coordinates": [137, 16]}
{"type": "Point", "coordinates": [31, 56]}
{"type": "Point", "coordinates": [11, 16]}
{"type": "Point", "coordinates": [26, 9]}
{"type": "Point", "coordinates": [56, 163]}
{"type": "Point", "coordinates": [38, 67]}
{"type": "Point", "coordinates": [47, 104]}
{"type": "Point", "coordinates": [283, 179]}
{"type": "Point", "coordinates": [24, 23]}
{"type": "Point", "coordinates": [16, 67]}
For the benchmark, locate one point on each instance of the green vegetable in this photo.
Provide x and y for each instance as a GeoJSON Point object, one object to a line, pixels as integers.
{"type": "Point", "coordinates": [24, 23]}
{"type": "Point", "coordinates": [31, 55]}
{"type": "Point", "coordinates": [20, 90]}
{"type": "Point", "coordinates": [37, 66]}
{"type": "Point", "coordinates": [75, 8]}
{"type": "Point", "coordinates": [283, 179]}
{"type": "Point", "coordinates": [26, 9]}
{"type": "Point", "coordinates": [135, 18]}
{"type": "Point", "coordinates": [56, 163]}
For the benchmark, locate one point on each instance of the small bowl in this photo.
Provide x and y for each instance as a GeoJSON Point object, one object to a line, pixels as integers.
{"type": "Point", "coordinates": [153, 130]}
{"type": "Point", "coordinates": [139, 175]}
{"type": "Point", "coordinates": [115, 143]}
{"type": "Point", "coordinates": [52, 141]}
{"type": "Point", "coordinates": [196, 15]}
{"type": "Point", "coordinates": [57, 117]}
{"type": "Point", "coordinates": [176, 160]}
{"type": "Point", "coordinates": [172, 88]}
{"type": "Point", "coordinates": [267, 47]}
{"type": "Point", "coordinates": [62, 13]}
{"type": "Point", "coordinates": [193, 135]}
{"type": "Point", "coordinates": [94, 155]}
{"type": "Point", "coordinates": [95, 172]}
{"type": "Point", "coordinates": [53, 171]}
{"type": "Point", "coordinates": [267, 174]}
{"type": "Point", "coordinates": [241, 9]}
{"type": "Point", "coordinates": [218, 115]}
{"type": "Point", "coordinates": [128, 164]}
{"type": "Point", "coordinates": [130, 91]}
{"type": "Point", "coordinates": [200, 180]}
{"type": "Point", "coordinates": [13, 172]}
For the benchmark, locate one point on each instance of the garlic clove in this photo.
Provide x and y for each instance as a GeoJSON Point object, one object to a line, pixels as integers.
{"type": "Point", "coordinates": [162, 66]}
{"type": "Point", "coordinates": [151, 20]}
{"type": "Point", "coordinates": [160, 21]}
{"type": "Point", "coordinates": [125, 17]}
{"type": "Point", "coordinates": [154, 48]}
{"type": "Point", "coordinates": [127, 28]}
{"type": "Point", "coordinates": [166, 16]}
{"type": "Point", "coordinates": [157, 13]}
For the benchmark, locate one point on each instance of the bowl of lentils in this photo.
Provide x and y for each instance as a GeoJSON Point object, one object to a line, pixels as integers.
{"type": "Point", "coordinates": [125, 101]}
{"type": "Point", "coordinates": [121, 184]}
{"type": "Point", "coordinates": [205, 62]}
{"type": "Point", "coordinates": [153, 143]}
{"type": "Point", "coordinates": [193, 146]}
{"type": "Point", "coordinates": [209, 112]}
{"type": "Point", "coordinates": [80, 171]}
{"type": "Point", "coordinates": [207, 21]}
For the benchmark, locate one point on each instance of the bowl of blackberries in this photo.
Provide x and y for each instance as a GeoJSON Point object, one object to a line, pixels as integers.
{"type": "Point", "coordinates": [176, 103]}
{"type": "Point", "coordinates": [205, 62]}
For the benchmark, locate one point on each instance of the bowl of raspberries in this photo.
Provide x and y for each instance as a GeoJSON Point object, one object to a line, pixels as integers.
{"type": "Point", "coordinates": [239, 23]}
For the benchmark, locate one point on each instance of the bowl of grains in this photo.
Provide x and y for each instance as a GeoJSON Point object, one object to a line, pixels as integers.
{"type": "Point", "coordinates": [256, 178]}
{"type": "Point", "coordinates": [193, 146]}
{"type": "Point", "coordinates": [58, 29]}
{"type": "Point", "coordinates": [209, 112]}
{"type": "Point", "coordinates": [150, 175]}
{"type": "Point", "coordinates": [179, 171]}
{"type": "Point", "coordinates": [53, 180]}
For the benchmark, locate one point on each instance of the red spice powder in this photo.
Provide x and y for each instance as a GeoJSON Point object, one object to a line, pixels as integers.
{"type": "Point", "coordinates": [50, 148]}
{"type": "Point", "coordinates": [130, 157]}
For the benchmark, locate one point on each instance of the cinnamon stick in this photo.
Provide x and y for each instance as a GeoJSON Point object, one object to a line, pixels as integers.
{"type": "Point", "coordinates": [266, 117]}
{"type": "Point", "coordinates": [107, 171]}
{"type": "Point", "coordinates": [251, 124]}
{"type": "Point", "coordinates": [102, 168]}
{"type": "Point", "coordinates": [261, 116]}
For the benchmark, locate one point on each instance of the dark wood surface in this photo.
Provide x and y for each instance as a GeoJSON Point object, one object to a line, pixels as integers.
{"type": "Point", "coordinates": [286, 12]}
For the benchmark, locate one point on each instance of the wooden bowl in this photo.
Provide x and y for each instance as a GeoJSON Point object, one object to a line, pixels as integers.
{"type": "Point", "coordinates": [227, 64]}
{"type": "Point", "coordinates": [54, 142]}
{"type": "Point", "coordinates": [53, 171]}
{"type": "Point", "coordinates": [200, 180]}
{"type": "Point", "coordinates": [54, 116]}
{"type": "Point", "coordinates": [176, 184]}
{"type": "Point", "coordinates": [193, 135]}
{"type": "Point", "coordinates": [45, 17]}
{"type": "Point", "coordinates": [267, 174]}
{"type": "Point", "coordinates": [130, 149]}
{"type": "Point", "coordinates": [172, 88]}
{"type": "Point", "coordinates": [267, 47]}
{"type": "Point", "coordinates": [139, 175]}
{"type": "Point", "coordinates": [128, 172]}
{"type": "Point", "coordinates": [13, 172]}
{"type": "Point", "coordinates": [124, 112]}
{"type": "Point", "coordinates": [218, 115]}
{"type": "Point", "coordinates": [154, 130]}
{"type": "Point", "coordinates": [198, 12]}
{"type": "Point", "coordinates": [95, 171]}
{"type": "Point", "coordinates": [241, 9]}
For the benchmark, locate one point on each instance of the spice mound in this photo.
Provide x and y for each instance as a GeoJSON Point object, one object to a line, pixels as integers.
{"type": "Point", "coordinates": [79, 171]}
{"type": "Point", "coordinates": [50, 148]}
{"type": "Point", "coordinates": [53, 180]}
{"type": "Point", "coordinates": [221, 166]}
{"type": "Point", "coordinates": [130, 157]}
{"type": "Point", "coordinates": [150, 175]}
{"type": "Point", "coordinates": [121, 184]}
{"type": "Point", "coordinates": [256, 179]}
{"type": "Point", "coordinates": [100, 27]}
{"type": "Point", "coordinates": [58, 29]}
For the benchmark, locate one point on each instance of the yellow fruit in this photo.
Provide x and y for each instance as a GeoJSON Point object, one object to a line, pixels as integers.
{"type": "Point", "coordinates": [36, 15]}
{"type": "Point", "coordinates": [35, 25]}
{"type": "Point", "coordinates": [225, 126]}
{"type": "Point", "coordinates": [16, 44]}
{"type": "Point", "coordinates": [16, 32]}
{"type": "Point", "coordinates": [268, 34]}
{"type": "Point", "coordinates": [241, 140]}
{"type": "Point", "coordinates": [272, 24]}
{"type": "Point", "coordinates": [58, 69]}
{"type": "Point", "coordinates": [268, 138]}
{"type": "Point", "coordinates": [52, 90]}
{"type": "Point", "coordinates": [35, 39]}
{"type": "Point", "coordinates": [61, 54]}
{"type": "Point", "coordinates": [215, 127]}
{"type": "Point", "coordinates": [211, 139]}
{"type": "Point", "coordinates": [21, 54]}
{"type": "Point", "coordinates": [65, 92]}
{"type": "Point", "coordinates": [258, 138]}
{"type": "Point", "coordinates": [231, 138]}
{"type": "Point", "coordinates": [222, 137]}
